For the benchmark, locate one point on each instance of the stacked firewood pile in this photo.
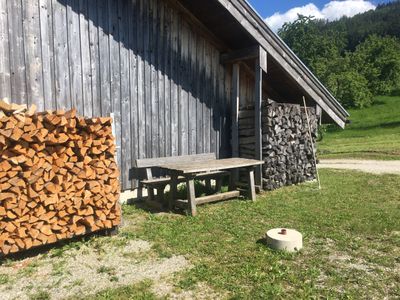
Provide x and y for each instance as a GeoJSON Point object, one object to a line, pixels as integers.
{"type": "Point", "coordinates": [286, 145]}
{"type": "Point", "coordinates": [58, 177]}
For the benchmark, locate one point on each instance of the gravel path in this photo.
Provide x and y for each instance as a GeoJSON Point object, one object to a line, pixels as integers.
{"type": "Point", "coordinates": [86, 271]}
{"type": "Point", "coordinates": [369, 166]}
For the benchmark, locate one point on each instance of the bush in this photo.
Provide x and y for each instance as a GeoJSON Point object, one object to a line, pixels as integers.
{"type": "Point", "coordinates": [350, 88]}
{"type": "Point", "coordinates": [378, 59]}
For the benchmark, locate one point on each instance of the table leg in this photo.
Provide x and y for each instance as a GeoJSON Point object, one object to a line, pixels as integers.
{"type": "Point", "coordinates": [252, 187]}
{"type": "Point", "coordinates": [232, 180]}
{"type": "Point", "coordinates": [150, 193]}
{"type": "Point", "coordinates": [173, 192]}
{"type": "Point", "coordinates": [191, 195]}
{"type": "Point", "coordinates": [208, 185]}
{"type": "Point", "coordinates": [160, 195]}
{"type": "Point", "coordinates": [218, 185]}
{"type": "Point", "coordinates": [140, 192]}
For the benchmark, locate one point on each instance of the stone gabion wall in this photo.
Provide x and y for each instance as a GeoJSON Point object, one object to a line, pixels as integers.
{"type": "Point", "coordinates": [287, 148]}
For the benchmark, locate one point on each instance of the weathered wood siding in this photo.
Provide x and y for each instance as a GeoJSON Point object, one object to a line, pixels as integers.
{"type": "Point", "coordinates": [142, 60]}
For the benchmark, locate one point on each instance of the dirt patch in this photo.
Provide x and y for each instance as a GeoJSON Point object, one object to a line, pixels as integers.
{"type": "Point", "coordinates": [368, 166]}
{"type": "Point", "coordinates": [87, 270]}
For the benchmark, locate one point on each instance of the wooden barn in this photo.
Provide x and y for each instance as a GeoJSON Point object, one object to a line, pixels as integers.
{"type": "Point", "coordinates": [176, 74]}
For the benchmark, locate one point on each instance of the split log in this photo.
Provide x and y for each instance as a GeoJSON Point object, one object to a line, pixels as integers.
{"type": "Point", "coordinates": [58, 177]}
{"type": "Point", "coordinates": [286, 145]}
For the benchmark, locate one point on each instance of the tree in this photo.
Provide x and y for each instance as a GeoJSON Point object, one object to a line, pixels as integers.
{"type": "Point", "coordinates": [306, 39]}
{"type": "Point", "coordinates": [378, 59]}
{"type": "Point", "coordinates": [344, 81]}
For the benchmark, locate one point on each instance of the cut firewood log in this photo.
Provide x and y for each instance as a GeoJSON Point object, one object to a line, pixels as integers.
{"type": "Point", "coordinates": [58, 176]}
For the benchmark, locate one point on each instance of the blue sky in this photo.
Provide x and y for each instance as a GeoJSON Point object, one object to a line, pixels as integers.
{"type": "Point", "coordinates": [277, 12]}
{"type": "Point", "coordinates": [267, 8]}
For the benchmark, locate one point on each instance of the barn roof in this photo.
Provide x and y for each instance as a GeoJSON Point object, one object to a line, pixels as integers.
{"type": "Point", "coordinates": [240, 26]}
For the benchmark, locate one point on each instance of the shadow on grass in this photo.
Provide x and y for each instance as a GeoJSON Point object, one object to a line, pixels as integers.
{"type": "Point", "coordinates": [57, 247]}
{"type": "Point", "coordinates": [201, 190]}
{"type": "Point", "coordinates": [387, 125]}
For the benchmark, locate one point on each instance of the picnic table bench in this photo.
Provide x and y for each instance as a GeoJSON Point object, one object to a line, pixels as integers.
{"type": "Point", "coordinates": [193, 167]}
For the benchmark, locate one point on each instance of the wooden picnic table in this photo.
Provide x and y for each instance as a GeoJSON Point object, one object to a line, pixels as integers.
{"type": "Point", "coordinates": [189, 170]}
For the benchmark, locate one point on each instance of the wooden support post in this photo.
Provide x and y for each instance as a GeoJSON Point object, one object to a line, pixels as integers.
{"type": "Point", "coordinates": [218, 185]}
{"type": "Point", "coordinates": [150, 190]}
{"type": "Point", "coordinates": [252, 187]}
{"type": "Point", "coordinates": [191, 195]}
{"type": "Point", "coordinates": [173, 192]}
{"type": "Point", "coordinates": [232, 180]}
{"type": "Point", "coordinates": [235, 109]}
{"type": "Point", "coordinates": [235, 115]}
{"type": "Point", "coordinates": [160, 195]}
{"type": "Point", "coordinates": [140, 192]}
{"type": "Point", "coordinates": [208, 185]}
{"type": "Point", "coordinates": [258, 116]}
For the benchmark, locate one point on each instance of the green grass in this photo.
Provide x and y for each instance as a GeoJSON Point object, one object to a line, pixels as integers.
{"type": "Point", "coordinates": [374, 133]}
{"type": "Point", "coordinates": [351, 232]}
{"type": "Point", "coordinates": [342, 220]}
{"type": "Point", "coordinates": [139, 291]}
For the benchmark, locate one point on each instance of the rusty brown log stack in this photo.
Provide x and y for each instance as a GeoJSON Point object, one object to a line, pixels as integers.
{"type": "Point", "coordinates": [58, 177]}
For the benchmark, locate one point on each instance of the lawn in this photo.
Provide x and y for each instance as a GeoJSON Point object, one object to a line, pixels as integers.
{"type": "Point", "coordinates": [351, 234]}
{"type": "Point", "coordinates": [374, 133]}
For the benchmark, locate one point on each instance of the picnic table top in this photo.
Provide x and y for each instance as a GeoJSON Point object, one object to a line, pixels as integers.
{"type": "Point", "coordinates": [210, 165]}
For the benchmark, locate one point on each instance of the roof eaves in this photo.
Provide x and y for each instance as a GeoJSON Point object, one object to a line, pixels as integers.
{"type": "Point", "coordinates": [265, 30]}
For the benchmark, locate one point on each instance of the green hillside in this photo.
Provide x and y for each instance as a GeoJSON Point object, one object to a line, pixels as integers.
{"type": "Point", "coordinates": [356, 58]}
{"type": "Point", "coordinates": [374, 133]}
{"type": "Point", "coordinates": [384, 21]}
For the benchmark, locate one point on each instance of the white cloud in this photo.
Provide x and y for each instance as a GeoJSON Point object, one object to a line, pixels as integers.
{"type": "Point", "coordinates": [331, 11]}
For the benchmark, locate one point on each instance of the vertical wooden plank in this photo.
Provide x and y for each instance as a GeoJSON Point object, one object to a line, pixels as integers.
{"type": "Point", "coordinates": [184, 95]}
{"type": "Point", "coordinates": [153, 12]}
{"type": "Point", "coordinates": [94, 52]}
{"type": "Point", "coordinates": [222, 108]}
{"type": "Point", "coordinates": [126, 133]}
{"type": "Point", "coordinates": [5, 80]}
{"type": "Point", "coordinates": [161, 76]}
{"type": "Point", "coordinates": [167, 79]}
{"type": "Point", "coordinates": [147, 76]}
{"type": "Point", "coordinates": [192, 91]}
{"type": "Point", "coordinates": [115, 65]}
{"type": "Point", "coordinates": [258, 127]}
{"type": "Point", "coordinates": [214, 111]}
{"type": "Point", "coordinates": [235, 109]}
{"type": "Point", "coordinates": [17, 52]}
{"type": "Point", "coordinates": [33, 53]}
{"type": "Point", "coordinates": [207, 100]}
{"type": "Point", "coordinates": [174, 84]}
{"type": "Point", "coordinates": [200, 99]}
{"type": "Point", "coordinates": [61, 57]}
{"type": "Point", "coordinates": [228, 122]}
{"type": "Point", "coordinates": [47, 49]}
{"type": "Point", "coordinates": [74, 52]}
{"type": "Point", "coordinates": [104, 50]}
{"type": "Point", "coordinates": [133, 78]}
{"type": "Point", "coordinates": [141, 80]}
{"type": "Point", "coordinates": [86, 99]}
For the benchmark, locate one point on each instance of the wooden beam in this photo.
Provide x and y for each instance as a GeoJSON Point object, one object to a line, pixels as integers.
{"type": "Point", "coordinates": [240, 55]}
{"type": "Point", "coordinates": [235, 109]}
{"type": "Point", "coordinates": [210, 199]}
{"type": "Point", "coordinates": [282, 54]}
{"type": "Point", "coordinates": [263, 59]}
{"type": "Point", "coordinates": [319, 113]}
{"type": "Point", "coordinates": [257, 119]}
